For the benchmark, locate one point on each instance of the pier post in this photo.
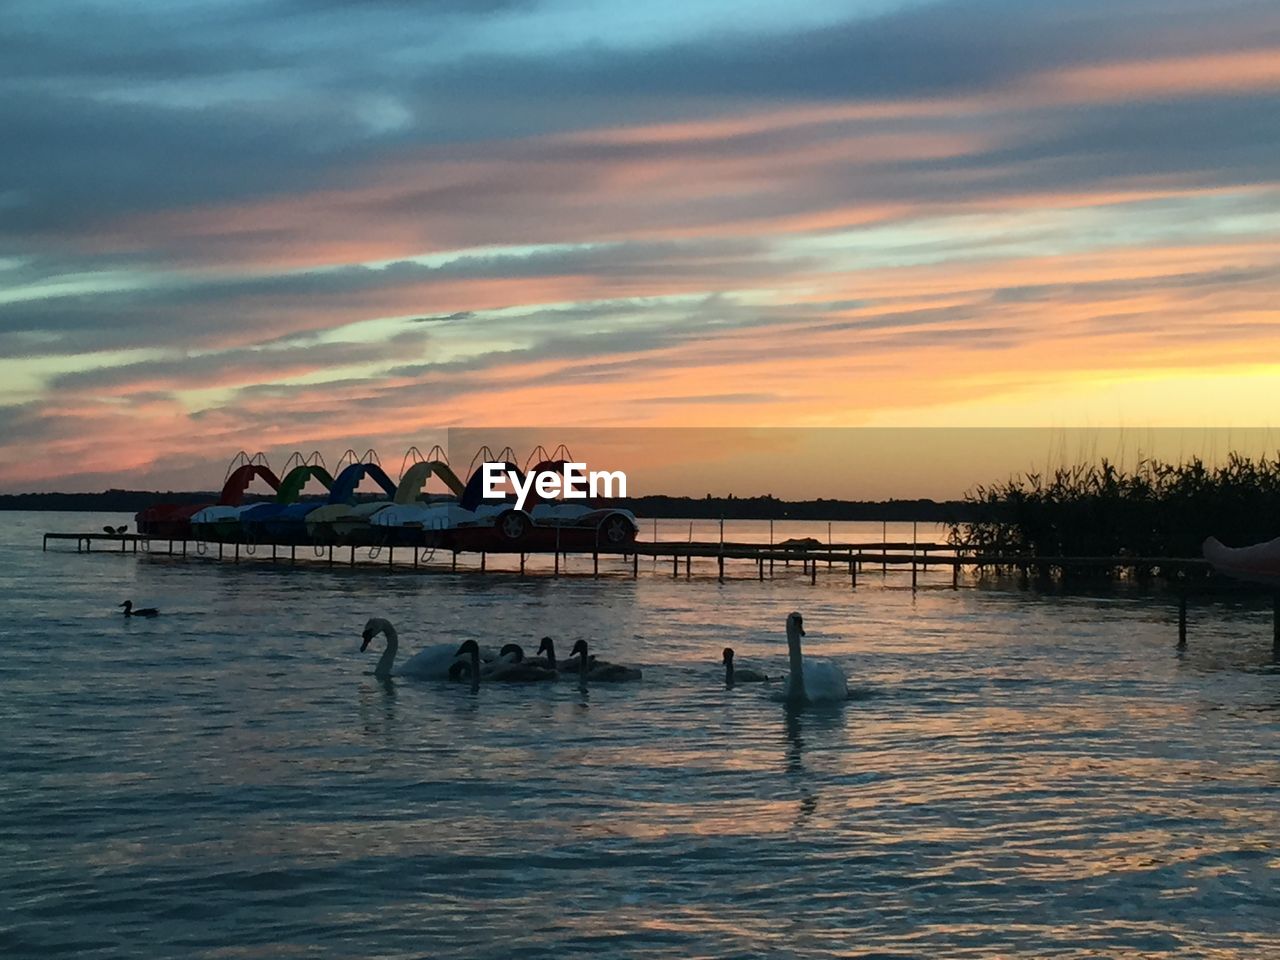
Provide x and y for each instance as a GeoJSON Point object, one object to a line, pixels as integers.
{"type": "Point", "coordinates": [720, 558]}
{"type": "Point", "coordinates": [331, 554]}
{"type": "Point", "coordinates": [595, 564]}
{"type": "Point", "coordinates": [557, 573]}
{"type": "Point", "coordinates": [353, 555]}
{"type": "Point", "coordinates": [293, 553]}
{"type": "Point", "coordinates": [853, 575]}
{"type": "Point", "coordinates": [635, 566]}
{"type": "Point", "coordinates": [1275, 625]}
{"type": "Point", "coordinates": [237, 560]}
{"type": "Point", "coordinates": [482, 559]}
{"type": "Point", "coordinates": [219, 549]}
{"type": "Point", "coordinates": [1182, 618]}
{"type": "Point", "coordinates": [184, 548]}
{"type": "Point", "coordinates": [688, 565]}
{"type": "Point", "coordinates": [913, 574]}
{"type": "Point", "coordinates": [453, 565]}
{"type": "Point", "coordinates": [415, 558]}
{"type": "Point", "coordinates": [273, 553]}
{"type": "Point", "coordinates": [391, 557]}
{"type": "Point", "coordinates": [44, 546]}
{"type": "Point", "coordinates": [760, 565]}
{"type": "Point", "coordinates": [955, 573]}
{"type": "Point", "coordinates": [813, 572]}
{"type": "Point", "coordinates": [675, 565]}
{"type": "Point", "coordinates": [522, 563]}
{"type": "Point", "coordinates": [123, 544]}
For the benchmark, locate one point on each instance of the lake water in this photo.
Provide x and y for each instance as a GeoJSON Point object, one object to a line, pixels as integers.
{"type": "Point", "coordinates": [1016, 775]}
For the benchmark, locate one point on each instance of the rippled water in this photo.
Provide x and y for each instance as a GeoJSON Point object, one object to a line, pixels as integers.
{"type": "Point", "coordinates": [1016, 775]}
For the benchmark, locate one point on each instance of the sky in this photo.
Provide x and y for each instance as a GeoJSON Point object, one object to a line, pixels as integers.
{"type": "Point", "coordinates": [314, 224]}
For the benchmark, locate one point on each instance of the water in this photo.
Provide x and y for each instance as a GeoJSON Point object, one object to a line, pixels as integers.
{"type": "Point", "coordinates": [1017, 775]}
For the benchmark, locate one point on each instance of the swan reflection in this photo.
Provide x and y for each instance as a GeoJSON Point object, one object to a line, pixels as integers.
{"type": "Point", "coordinates": [822, 727]}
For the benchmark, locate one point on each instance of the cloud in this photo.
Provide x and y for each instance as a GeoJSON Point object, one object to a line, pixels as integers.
{"type": "Point", "coordinates": [309, 221]}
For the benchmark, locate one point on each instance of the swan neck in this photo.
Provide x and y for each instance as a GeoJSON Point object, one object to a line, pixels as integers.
{"type": "Point", "coordinates": [796, 691]}
{"type": "Point", "coordinates": [388, 658]}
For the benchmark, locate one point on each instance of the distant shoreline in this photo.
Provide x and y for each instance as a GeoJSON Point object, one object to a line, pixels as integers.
{"type": "Point", "coordinates": [664, 507]}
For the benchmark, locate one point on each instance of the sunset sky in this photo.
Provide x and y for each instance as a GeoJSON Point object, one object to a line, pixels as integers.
{"type": "Point", "coordinates": [281, 224]}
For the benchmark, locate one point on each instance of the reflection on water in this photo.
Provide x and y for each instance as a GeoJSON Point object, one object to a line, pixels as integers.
{"type": "Point", "coordinates": [1013, 775]}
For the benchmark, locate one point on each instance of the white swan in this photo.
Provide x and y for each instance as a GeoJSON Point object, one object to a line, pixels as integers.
{"type": "Point", "coordinates": [810, 681]}
{"type": "Point", "coordinates": [430, 663]}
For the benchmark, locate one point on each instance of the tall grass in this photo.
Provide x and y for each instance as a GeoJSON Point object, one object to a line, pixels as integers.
{"type": "Point", "coordinates": [1158, 509]}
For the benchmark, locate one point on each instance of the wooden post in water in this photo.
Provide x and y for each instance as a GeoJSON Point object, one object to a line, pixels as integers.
{"type": "Point", "coordinates": [482, 557]}
{"type": "Point", "coordinates": [522, 563]}
{"type": "Point", "coordinates": [293, 553]}
{"type": "Point", "coordinates": [853, 575]}
{"type": "Point", "coordinates": [1275, 625]}
{"type": "Point", "coordinates": [415, 558]}
{"type": "Point", "coordinates": [635, 566]}
{"type": "Point", "coordinates": [675, 565]}
{"type": "Point", "coordinates": [453, 564]}
{"type": "Point", "coordinates": [760, 565]}
{"type": "Point", "coordinates": [273, 553]}
{"type": "Point", "coordinates": [1182, 617]}
{"type": "Point", "coordinates": [391, 557]}
{"type": "Point", "coordinates": [813, 572]}
{"type": "Point", "coordinates": [955, 573]}
{"type": "Point", "coordinates": [595, 564]}
{"type": "Point", "coordinates": [720, 558]}
{"type": "Point", "coordinates": [331, 554]}
{"type": "Point", "coordinates": [557, 573]}
{"type": "Point", "coordinates": [353, 555]}
{"type": "Point", "coordinates": [237, 560]}
{"type": "Point", "coordinates": [913, 573]}
{"type": "Point", "coordinates": [688, 565]}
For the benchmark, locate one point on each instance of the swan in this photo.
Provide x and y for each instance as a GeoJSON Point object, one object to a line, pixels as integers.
{"type": "Point", "coordinates": [429, 663]}
{"type": "Point", "coordinates": [600, 672]}
{"type": "Point", "coordinates": [549, 646]}
{"type": "Point", "coordinates": [508, 668]}
{"type": "Point", "coordinates": [512, 667]}
{"type": "Point", "coordinates": [734, 674]}
{"type": "Point", "coordinates": [810, 681]}
{"type": "Point", "coordinates": [140, 612]}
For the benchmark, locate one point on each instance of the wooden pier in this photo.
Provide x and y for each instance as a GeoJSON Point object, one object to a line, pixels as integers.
{"type": "Point", "coordinates": [753, 561]}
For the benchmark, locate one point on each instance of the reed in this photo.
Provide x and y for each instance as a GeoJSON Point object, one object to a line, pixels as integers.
{"type": "Point", "coordinates": [1157, 509]}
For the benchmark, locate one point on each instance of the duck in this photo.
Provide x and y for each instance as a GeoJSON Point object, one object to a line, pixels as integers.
{"type": "Point", "coordinates": [129, 610]}
{"type": "Point", "coordinates": [599, 671]}
{"type": "Point", "coordinates": [734, 674]}
{"type": "Point", "coordinates": [810, 680]}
